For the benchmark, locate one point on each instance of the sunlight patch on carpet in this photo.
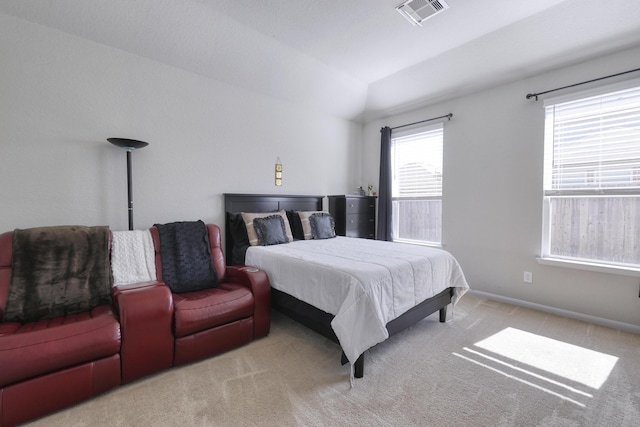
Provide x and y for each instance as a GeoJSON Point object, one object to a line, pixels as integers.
{"type": "Point", "coordinates": [529, 373]}
{"type": "Point", "coordinates": [521, 380]}
{"type": "Point", "coordinates": [575, 363]}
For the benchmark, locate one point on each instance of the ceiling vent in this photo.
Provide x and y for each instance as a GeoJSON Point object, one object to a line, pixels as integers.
{"type": "Point", "coordinates": [417, 11]}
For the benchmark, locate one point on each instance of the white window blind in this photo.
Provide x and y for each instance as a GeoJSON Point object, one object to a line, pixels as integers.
{"type": "Point", "coordinates": [417, 164]}
{"type": "Point", "coordinates": [592, 178]}
{"type": "Point", "coordinates": [593, 143]}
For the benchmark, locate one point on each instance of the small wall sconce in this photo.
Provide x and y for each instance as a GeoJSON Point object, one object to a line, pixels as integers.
{"type": "Point", "coordinates": [278, 172]}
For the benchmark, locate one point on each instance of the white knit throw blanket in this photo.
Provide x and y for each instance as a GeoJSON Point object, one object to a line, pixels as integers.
{"type": "Point", "coordinates": [132, 257]}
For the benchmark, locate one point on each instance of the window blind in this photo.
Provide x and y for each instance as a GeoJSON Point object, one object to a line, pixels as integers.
{"type": "Point", "coordinates": [593, 144]}
{"type": "Point", "coordinates": [417, 164]}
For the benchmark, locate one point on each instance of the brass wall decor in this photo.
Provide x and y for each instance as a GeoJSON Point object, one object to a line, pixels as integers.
{"type": "Point", "coordinates": [278, 172]}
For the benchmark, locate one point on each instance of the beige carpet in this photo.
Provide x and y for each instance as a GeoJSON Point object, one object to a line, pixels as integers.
{"type": "Point", "coordinates": [493, 364]}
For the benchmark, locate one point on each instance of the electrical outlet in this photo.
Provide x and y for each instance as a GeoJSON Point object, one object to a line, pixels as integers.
{"type": "Point", "coordinates": [528, 277]}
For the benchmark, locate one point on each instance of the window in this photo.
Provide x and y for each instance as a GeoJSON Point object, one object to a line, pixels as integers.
{"type": "Point", "coordinates": [591, 179]}
{"type": "Point", "coordinates": [416, 164]}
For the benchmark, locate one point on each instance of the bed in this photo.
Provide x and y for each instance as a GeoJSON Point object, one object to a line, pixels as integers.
{"type": "Point", "coordinates": [324, 279]}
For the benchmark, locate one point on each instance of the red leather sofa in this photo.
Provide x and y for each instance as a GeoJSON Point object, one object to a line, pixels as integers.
{"type": "Point", "coordinates": [48, 365]}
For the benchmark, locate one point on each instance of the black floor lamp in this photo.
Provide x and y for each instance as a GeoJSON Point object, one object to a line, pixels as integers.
{"type": "Point", "coordinates": [129, 145]}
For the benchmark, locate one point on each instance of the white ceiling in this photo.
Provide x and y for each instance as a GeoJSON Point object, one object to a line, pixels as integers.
{"type": "Point", "coordinates": [358, 59]}
{"type": "Point", "coordinates": [369, 39]}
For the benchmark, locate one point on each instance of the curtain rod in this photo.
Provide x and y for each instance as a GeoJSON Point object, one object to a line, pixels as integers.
{"type": "Point", "coordinates": [448, 116]}
{"type": "Point", "coordinates": [535, 95]}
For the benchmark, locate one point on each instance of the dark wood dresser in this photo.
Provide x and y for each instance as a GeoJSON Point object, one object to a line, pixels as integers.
{"type": "Point", "coordinates": [355, 216]}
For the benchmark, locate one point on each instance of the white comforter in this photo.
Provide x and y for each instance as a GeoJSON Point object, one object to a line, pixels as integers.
{"type": "Point", "coordinates": [363, 283]}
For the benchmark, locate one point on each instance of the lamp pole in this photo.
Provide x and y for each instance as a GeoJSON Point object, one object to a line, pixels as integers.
{"type": "Point", "coordinates": [129, 145]}
{"type": "Point", "coordinates": [130, 189]}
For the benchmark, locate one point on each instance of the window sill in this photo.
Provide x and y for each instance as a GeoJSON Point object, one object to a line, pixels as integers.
{"type": "Point", "coordinates": [590, 266]}
{"type": "Point", "coordinates": [420, 243]}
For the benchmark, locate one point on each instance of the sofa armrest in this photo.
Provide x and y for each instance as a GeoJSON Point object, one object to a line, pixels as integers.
{"type": "Point", "coordinates": [258, 281]}
{"type": "Point", "coordinates": [146, 316]}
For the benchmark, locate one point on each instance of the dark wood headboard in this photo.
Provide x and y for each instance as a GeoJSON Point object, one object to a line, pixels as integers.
{"type": "Point", "coordinates": [236, 203]}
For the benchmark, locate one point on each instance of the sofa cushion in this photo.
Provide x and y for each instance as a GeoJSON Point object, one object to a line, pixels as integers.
{"type": "Point", "coordinates": [45, 346]}
{"type": "Point", "coordinates": [208, 308]}
{"type": "Point", "coordinates": [9, 328]}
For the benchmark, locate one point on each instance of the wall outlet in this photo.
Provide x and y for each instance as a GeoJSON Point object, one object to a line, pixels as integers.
{"type": "Point", "coordinates": [528, 277]}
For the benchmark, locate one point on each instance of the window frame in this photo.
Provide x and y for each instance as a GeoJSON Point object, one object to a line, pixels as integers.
{"type": "Point", "coordinates": [424, 128]}
{"type": "Point", "coordinates": [546, 257]}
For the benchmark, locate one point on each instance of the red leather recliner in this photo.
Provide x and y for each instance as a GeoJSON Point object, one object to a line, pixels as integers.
{"type": "Point", "coordinates": [54, 363]}
{"type": "Point", "coordinates": [212, 321]}
{"type": "Point", "coordinates": [51, 364]}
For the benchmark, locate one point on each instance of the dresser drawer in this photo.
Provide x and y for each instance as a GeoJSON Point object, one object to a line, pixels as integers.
{"type": "Point", "coordinates": [357, 220]}
{"type": "Point", "coordinates": [359, 225]}
{"type": "Point", "coordinates": [359, 205]}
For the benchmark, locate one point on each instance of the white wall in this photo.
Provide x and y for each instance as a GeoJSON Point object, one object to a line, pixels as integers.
{"type": "Point", "coordinates": [492, 201]}
{"type": "Point", "coordinates": [62, 96]}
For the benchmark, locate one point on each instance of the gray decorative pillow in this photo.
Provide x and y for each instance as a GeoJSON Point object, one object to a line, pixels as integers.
{"type": "Point", "coordinates": [251, 232]}
{"type": "Point", "coordinates": [270, 230]}
{"type": "Point", "coordinates": [322, 226]}
{"type": "Point", "coordinates": [306, 224]}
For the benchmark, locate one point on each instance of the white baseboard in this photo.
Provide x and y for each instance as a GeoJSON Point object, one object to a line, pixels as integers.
{"type": "Point", "coordinates": [627, 327]}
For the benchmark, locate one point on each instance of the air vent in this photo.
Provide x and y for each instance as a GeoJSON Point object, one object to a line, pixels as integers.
{"type": "Point", "coordinates": [417, 11]}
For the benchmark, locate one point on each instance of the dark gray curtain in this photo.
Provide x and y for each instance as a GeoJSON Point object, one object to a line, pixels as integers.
{"type": "Point", "coordinates": [384, 189]}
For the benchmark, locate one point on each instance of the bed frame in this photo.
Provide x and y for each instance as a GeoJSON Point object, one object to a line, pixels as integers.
{"type": "Point", "coordinates": [302, 312]}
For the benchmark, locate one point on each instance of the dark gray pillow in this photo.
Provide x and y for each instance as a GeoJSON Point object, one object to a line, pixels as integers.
{"type": "Point", "coordinates": [238, 232]}
{"type": "Point", "coordinates": [296, 225]}
{"type": "Point", "coordinates": [322, 226]}
{"type": "Point", "coordinates": [270, 230]}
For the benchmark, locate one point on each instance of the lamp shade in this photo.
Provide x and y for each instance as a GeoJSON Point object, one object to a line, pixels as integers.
{"type": "Point", "coordinates": [129, 144]}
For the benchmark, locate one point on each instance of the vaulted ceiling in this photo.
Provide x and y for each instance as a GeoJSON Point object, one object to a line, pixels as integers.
{"type": "Point", "coordinates": [357, 59]}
